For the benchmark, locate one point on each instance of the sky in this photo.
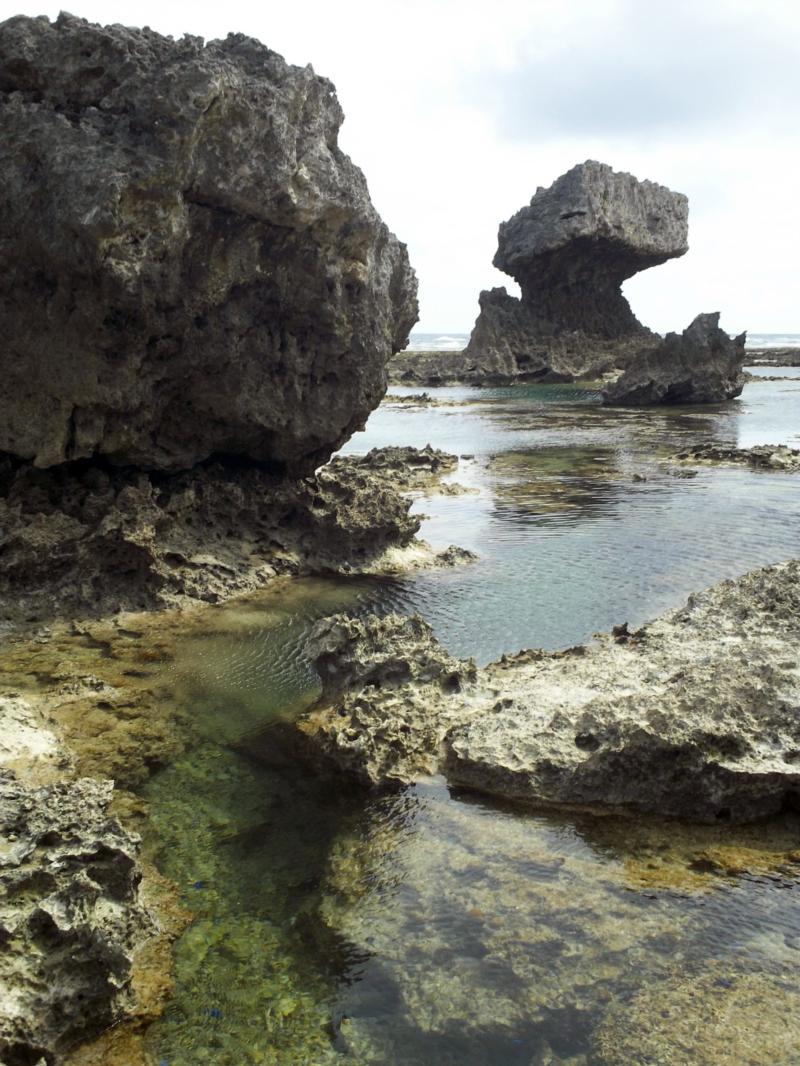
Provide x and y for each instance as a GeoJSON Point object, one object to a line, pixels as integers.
{"type": "Point", "coordinates": [457, 110]}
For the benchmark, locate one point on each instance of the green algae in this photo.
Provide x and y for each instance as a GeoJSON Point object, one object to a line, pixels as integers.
{"type": "Point", "coordinates": [418, 926]}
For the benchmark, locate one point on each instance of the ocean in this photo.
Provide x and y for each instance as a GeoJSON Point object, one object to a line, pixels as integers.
{"type": "Point", "coordinates": [454, 342]}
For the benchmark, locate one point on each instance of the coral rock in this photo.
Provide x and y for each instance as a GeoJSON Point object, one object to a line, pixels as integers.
{"type": "Point", "coordinates": [192, 266]}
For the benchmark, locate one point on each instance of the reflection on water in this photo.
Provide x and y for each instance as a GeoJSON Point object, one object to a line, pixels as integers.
{"type": "Point", "coordinates": [420, 927]}
{"type": "Point", "coordinates": [580, 524]}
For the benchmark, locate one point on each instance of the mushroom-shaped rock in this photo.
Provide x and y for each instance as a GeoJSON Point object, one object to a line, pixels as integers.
{"type": "Point", "coordinates": [192, 266]}
{"type": "Point", "coordinates": [570, 250]}
{"type": "Point", "coordinates": [572, 247]}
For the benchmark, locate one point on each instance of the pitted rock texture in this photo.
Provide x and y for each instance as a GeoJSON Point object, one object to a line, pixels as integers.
{"type": "Point", "coordinates": [572, 247]}
{"type": "Point", "coordinates": [700, 365]}
{"type": "Point", "coordinates": [570, 250]}
{"type": "Point", "coordinates": [88, 540]}
{"type": "Point", "coordinates": [192, 266]}
{"type": "Point", "coordinates": [695, 716]}
{"type": "Point", "coordinates": [70, 917]}
{"type": "Point", "coordinates": [386, 688]}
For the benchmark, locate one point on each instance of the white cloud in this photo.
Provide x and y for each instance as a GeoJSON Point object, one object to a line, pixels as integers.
{"type": "Point", "coordinates": [456, 111]}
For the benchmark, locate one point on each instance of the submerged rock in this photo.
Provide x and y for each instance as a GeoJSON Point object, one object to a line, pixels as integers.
{"type": "Point", "coordinates": [70, 916]}
{"type": "Point", "coordinates": [759, 457]}
{"type": "Point", "coordinates": [192, 266]}
{"type": "Point", "coordinates": [694, 716]}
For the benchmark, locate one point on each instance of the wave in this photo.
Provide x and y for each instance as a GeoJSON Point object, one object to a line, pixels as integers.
{"type": "Point", "coordinates": [438, 342]}
{"type": "Point", "coordinates": [773, 340]}
{"type": "Point", "coordinates": [455, 342]}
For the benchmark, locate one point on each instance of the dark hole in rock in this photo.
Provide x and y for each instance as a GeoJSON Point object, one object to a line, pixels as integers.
{"type": "Point", "coordinates": [587, 742]}
{"type": "Point", "coordinates": [723, 814]}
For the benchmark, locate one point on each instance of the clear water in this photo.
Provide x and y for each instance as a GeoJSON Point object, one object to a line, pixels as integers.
{"type": "Point", "coordinates": [427, 928]}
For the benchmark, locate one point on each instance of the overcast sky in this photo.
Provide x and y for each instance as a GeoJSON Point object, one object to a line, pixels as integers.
{"type": "Point", "coordinates": [457, 110]}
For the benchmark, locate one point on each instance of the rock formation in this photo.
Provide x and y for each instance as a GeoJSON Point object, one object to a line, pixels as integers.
{"type": "Point", "coordinates": [80, 539]}
{"type": "Point", "coordinates": [198, 304]}
{"type": "Point", "coordinates": [700, 365]}
{"type": "Point", "coordinates": [570, 250]}
{"type": "Point", "coordinates": [70, 916]}
{"type": "Point", "coordinates": [572, 247]}
{"type": "Point", "coordinates": [694, 716]}
{"type": "Point", "coordinates": [191, 265]}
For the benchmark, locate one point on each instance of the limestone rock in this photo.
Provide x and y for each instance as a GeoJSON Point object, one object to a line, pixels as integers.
{"type": "Point", "coordinates": [570, 250]}
{"type": "Point", "coordinates": [385, 703]}
{"type": "Point", "coordinates": [70, 916]}
{"type": "Point", "coordinates": [695, 716]}
{"type": "Point", "coordinates": [572, 247]}
{"type": "Point", "coordinates": [700, 365]}
{"type": "Point", "coordinates": [99, 541]}
{"type": "Point", "coordinates": [192, 266]}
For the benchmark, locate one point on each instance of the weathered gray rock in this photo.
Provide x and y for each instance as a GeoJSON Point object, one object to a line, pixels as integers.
{"type": "Point", "coordinates": [572, 247]}
{"type": "Point", "coordinates": [386, 688]}
{"type": "Point", "coordinates": [700, 365]}
{"type": "Point", "coordinates": [191, 265]}
{"type": "Point", "coordinates": [570, 250]}
{"type": "Point", "coordinates": [99, 541]}
{"type": "Point", "coordinates": [696, 716]}
{"type": "Point", "coordinates": [70, 916]}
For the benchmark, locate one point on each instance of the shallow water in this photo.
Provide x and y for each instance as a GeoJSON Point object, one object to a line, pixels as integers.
{"type": "Point", "coordinates": [422, 927]}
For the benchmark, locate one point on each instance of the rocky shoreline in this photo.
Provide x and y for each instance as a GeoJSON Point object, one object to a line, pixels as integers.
{"type": "Point", "coordinates": [201, 305]}
{"type": "Point", "coordinates": [670, 719]}
{"type": "Point", "coordinates": [86, 721]}
{"type": "Point", "coordinates": [88, 541]}
{"type": "Point", "coordinates": [758, 457]}
{"type": "Point", "coordinates": [773, 356]}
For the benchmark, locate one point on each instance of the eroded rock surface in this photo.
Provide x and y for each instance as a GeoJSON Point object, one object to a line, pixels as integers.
{"type": "Point", "coordinates": [701, 365]}
{"type": "Point", "coordinates": [387, 695]}
{"type": "Point", "coordinates": [570, 250]}
{"type": "Point", "coordinates": [70, 916]}
{"type": "Point", "coordinates": [694, 716]}
{"type": "Point", "coordinates": [192, 266]}
{"type": "Point", "coordinates": [86, 539]}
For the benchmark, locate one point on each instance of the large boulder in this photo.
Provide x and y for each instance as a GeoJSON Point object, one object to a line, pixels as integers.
{"type": "Point", "coordinates": [700, 365]}
{"type": "Point", "coordinates": [191, 265]}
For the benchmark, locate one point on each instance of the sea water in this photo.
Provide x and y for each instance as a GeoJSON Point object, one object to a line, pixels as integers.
{"type": "Point", "coordinates": [423, 927]}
